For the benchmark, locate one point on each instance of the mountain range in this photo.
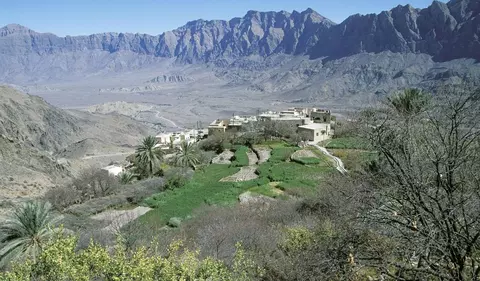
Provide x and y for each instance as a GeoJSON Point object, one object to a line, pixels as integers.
{"type": "Point", "coordinates": [444, 31]}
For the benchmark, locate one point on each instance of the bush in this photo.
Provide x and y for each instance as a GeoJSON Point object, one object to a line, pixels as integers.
{"type": "Point", "coordinates": [212, 143]}
{"type": "Point", "coordinates": [95, 183]}
{"type": "Point", "coordinates": [307, 160]}
{"type": "Point", "coordinates": [240, 159]}
{"type": "Point", "coordinates": [60, 261]}
{"type": "Point", "coordinates": [63, 197]}
{"type": "Point", "coordinates": [205, 157]}
{"type": "Point", "coordinates": [177, 177]}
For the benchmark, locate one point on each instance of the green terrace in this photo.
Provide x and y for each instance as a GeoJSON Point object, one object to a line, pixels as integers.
{"type": "Point", "coordinates": [280, 177]}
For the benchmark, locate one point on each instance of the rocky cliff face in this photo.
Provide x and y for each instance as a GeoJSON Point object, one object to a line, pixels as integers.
{"type": "Point", "coordinates": [444, 31]}
{"type": "Point", "coordinates": [200, 40]}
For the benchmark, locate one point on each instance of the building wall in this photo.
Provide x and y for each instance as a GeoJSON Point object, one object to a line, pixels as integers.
{"type": "Point", "coordinates": [316, 135]}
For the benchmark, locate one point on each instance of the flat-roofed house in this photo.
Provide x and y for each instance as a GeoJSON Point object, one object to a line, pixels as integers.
{"type": "Point", "coordinates": [218, 127]}
{"type": "Point", "coordinates": [316, 132]}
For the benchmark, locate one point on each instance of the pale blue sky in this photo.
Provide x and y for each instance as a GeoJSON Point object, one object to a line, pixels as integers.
{"type": "Point", "coordinates": [77, 17]}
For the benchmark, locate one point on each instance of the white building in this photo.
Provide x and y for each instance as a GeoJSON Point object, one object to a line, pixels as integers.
{"type": "Point", "coordinates": [165, 140]}
{"type": "Point", "coordinates": [113, 170]}
{"type": "Point", "coordinates": [316, 132]}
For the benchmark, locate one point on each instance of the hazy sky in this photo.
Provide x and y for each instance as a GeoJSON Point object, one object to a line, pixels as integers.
{"type": "Point", "coordinates": [76, 17]}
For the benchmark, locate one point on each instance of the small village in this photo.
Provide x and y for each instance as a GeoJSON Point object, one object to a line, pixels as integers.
{"type": "Point", "coordinates": [313, 123]}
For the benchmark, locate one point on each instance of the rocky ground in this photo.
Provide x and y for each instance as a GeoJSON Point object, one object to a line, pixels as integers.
{"type": "Point", "coordinates": [223, 158]}
{"type": "Point", "coordinates": [42, 146]}
{"type": "Point", "coordinates": [116, 219]}
{"type": "Point", "coordinates": [304, 153]}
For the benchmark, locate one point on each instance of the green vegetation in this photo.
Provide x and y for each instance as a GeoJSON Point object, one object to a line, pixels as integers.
{"type": "Point", "coordinates": [187, 155]}
{"type": "Point", "coordinates": [204, 188]}
{"type": "Point", "coordinates": [126, 177]}
{"type": "Point", "coordinates": [60, 261]}
{"type": "Point", "coordinates": [281, 154]}
{"type": "Point", "coordinates": [307, 160]}
{"type": "Point", "coordinates": [26, 231]}
{"type": "Point", "coordinates": [148, 157]}
{"type": "Point", "coordinates": [240, 157]}
{"type": "Point", "coordinates": [346, 143]}
{"type": "Point", "coordinates": [268, 190]}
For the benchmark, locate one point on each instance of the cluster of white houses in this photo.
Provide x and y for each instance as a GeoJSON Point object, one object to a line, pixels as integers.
{"type": "Point", "coordinates": [312, 122]}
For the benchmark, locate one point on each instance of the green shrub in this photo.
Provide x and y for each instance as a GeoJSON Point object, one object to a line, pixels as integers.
{"type": "Point", "coordinates": [177, 177]}
{"type": "Point", "coordinates": [61, 261]}
{"type": "Point", "coordinates": [240, 159]}
{"type": "Point", "coordinates": [307, 160]}
{"type": "Point", "coordinates": [281, 154]}
{"type": "Point", "coordinates": [285, 171]}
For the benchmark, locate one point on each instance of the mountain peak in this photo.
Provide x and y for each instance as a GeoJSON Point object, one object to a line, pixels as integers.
{"type": "Point", "coordinates": [15, 29]}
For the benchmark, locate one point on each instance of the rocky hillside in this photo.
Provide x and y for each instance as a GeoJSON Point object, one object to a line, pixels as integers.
{"type": "Point", "coordinates": [33, 134]}
{"type": "Point", "coordinates": [443, 31]}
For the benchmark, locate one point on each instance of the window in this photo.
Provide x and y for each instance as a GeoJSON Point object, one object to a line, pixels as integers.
{"type": "Point", "coordinates": [317, 134]}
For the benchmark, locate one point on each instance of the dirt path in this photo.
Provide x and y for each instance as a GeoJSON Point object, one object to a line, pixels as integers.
{"type": "Point", "coordinates": [245, 174]}
{"type": "Point", "coordinates": [168, 120]}
{"type": "Point", "coordinates": [263, 153]}
{"type": "Point", "coordinates": [338, 161]}
{"type": "Point", "coordinates": [223, 158]}
{"type": "Point", "coordinates": [107, 155]}
{"type": "Point", "coordinates": [116, 219]}
{"type": "Point", "coordinates": [252, 158]}
{"type": "Point", "coordinates": [304, 153]}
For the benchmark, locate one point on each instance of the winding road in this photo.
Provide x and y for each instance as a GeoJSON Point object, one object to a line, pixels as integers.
{"type": "Point", "coordinates": [106, 155]}
{"type": "Point", "coordinates": [168, 120]}
{"type": "Point", "coordinates": [338, 162]}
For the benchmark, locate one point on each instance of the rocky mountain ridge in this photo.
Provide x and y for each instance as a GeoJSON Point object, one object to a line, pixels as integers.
{"type": "Point", "coordinates": [444, 31]}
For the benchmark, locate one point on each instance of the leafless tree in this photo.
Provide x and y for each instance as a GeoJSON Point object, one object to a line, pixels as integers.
{"type": "Point", "coordinates": [93, 183]}
{"type": "Point", "coordinates": [428, 180]}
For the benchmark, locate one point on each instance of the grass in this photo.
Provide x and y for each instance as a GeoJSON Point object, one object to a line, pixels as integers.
{"type": "Point", "coordinates": [281, 154]}
{"type": "Point", "coordinates": [346, 143]}
{"type": "Point", "coordinates": [298, 188]}
{"type": "Point", "coordinates": [268, 190]}
{"type": "Point", "coordinates": [203, 188]}
{"type": "Point", "coordinates": [307, 160]}
{"type": "Point", "coordinates": [240, 159]}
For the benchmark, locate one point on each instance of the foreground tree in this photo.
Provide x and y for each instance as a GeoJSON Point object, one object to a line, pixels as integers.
{"type": "Point", "coordinates": [187, 155]}
{"type": "Point", "coordinates": [428, 183]}
{"type": "Point", "coordinates": [148, 156]}
{"type": "Point", "coordinates": [26, 231]}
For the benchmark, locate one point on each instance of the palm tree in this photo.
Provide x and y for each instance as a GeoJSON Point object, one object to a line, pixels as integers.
{"type": "Point", "coordinates": [187, 155]}
{"type": "Point", "coordinates": [126, 177]}
{"type": "Point", "coordinates": [147, 155]}
{"type": "Point", "coordinates": [408, 103]}
{"type": "Point", "coordinates": [24, 233]}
